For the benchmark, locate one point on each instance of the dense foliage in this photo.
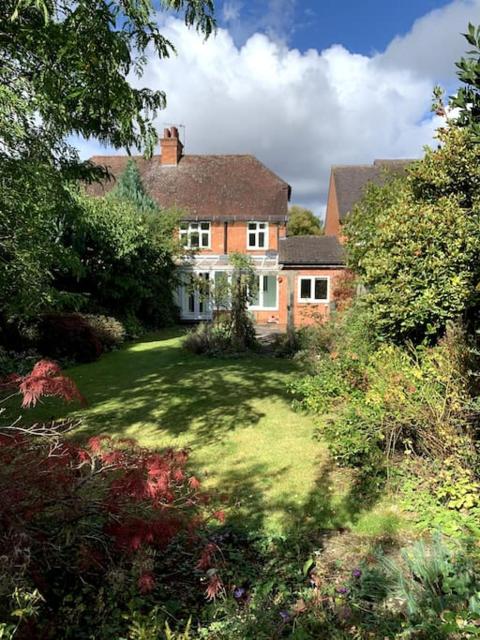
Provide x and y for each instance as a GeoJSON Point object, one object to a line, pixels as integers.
{"type": "Point", "coordinates": [88, 529]}
{"type": "Point", "coordinates": [125, 260]}
{"type": "Point", "coordinates": [467, 98]}
{"type": "Point", "coordinates": [303, 222]}
{"type": "Point", "coordinates": [233, 329]}
{"type": "Point", "coordinates": [67, 65]}
{"type": "Point", "coordinates": [66, 70]}
{"type": "Point", "coordinates": [415, 243]}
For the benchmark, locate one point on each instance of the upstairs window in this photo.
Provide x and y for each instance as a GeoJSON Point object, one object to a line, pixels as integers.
{"type": "Point", "coordinates": [313, 289]}
{"type": "Point", "coordinates": [257, 235]}
{"type": "Point", "coordinates": [195, 235]}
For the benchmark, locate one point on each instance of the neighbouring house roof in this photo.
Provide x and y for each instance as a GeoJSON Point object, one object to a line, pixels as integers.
{"type": "Point", "coordinates": [311, 251]}
{"type": "Point", "coordinates": [351, 180]}
{"type": "Point", "coordinates": [223, 187]}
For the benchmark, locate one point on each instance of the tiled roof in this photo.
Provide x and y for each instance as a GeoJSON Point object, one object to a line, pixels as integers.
{"type": "Point", "coordinates": [351, 180]}
{"type": "Point", "coordinates": [311, 250]}
{"type": "Point", "coordinates": [207, 187]}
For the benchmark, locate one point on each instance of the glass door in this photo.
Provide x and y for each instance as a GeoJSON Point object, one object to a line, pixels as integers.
{"type": "Point", "coordinates": [196, 304]}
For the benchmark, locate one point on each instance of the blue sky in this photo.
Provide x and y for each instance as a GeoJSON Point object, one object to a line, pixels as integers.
{"type": "Point", "coordinates": [305, 85]}
{"type": "Point", "coordinates": [362, 26]}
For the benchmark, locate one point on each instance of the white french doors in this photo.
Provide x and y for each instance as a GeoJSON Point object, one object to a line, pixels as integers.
{"type": "Point", "coordinates": [194, 296]}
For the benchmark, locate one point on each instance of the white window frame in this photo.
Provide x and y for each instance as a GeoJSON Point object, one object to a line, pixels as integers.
{"type": "Point", "coordinates": [192, 228]}
{"type": "Point", "coordinates": [260, 306]}
{"type": "Point", "coordinates": [312, 299]}
{"type": "Point", "coordinates": [257, 231]}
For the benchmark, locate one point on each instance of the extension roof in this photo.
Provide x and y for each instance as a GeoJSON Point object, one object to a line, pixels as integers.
{"type": "Point", "coordinates": [351, 180]}
{"type": "Point", "coordinates": [207, 187]}
{"type": "Point", "coordinates": [312, 251]}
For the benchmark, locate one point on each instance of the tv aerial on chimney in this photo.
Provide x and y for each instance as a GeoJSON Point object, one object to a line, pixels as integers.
{"type": "Point", "coordinates": [178, 126]}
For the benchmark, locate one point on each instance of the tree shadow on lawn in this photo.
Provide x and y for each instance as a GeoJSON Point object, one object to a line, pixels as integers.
{"type": "Point", "coordinates": [156, 388]}
{"type": "Point", "coordinates": [337, 502]}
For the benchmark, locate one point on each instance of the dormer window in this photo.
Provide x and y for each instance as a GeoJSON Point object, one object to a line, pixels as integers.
{"type": "Point", "coordinates": [257, 235]}
{"type": "Point", "coordinates": [195, 235]}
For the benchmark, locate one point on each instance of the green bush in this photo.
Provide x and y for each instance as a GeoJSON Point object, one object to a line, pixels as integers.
{"type": "Point", "coordinates": [68, 336]}
{"type": "Point", "coordinates": [208, 339]}
{"type": "Point", "coordinates": [430, 591]}
{"type": "Point", "coordinates": [415, 243]}
{"type": "Point", "coordinates": [109, 331]}
{"type": "Point", "coordinates": [20, 363]}
{"type": "Point", "coordinates": [391, 399]}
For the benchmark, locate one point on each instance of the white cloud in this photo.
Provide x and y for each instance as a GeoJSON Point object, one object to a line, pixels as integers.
{"type": "Point", "coordinates": [231, 11]}
{"type": "Point", "coordinates": [434, 43]}
{"type": "Point", "coordinates": [297, 112]}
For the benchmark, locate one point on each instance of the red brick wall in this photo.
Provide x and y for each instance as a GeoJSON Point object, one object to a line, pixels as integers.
{"type": "Point", "coordinates": [305, 314]}
{"type": "Point", "coordinates": [237, 238]}
{"type": "Point", "coordinates": [332, 216]}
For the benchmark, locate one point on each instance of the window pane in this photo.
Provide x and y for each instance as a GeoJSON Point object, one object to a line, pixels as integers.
{"type": "Point", "coordinates": [252, 226]}
{"type": "Point", "coordinates": [204, 239]}
{"type": "Point", "coordinates": [305, 288]}
{"type": "Point", "coordinates": [193, 226]}
{"type": "Point", "coordinates": [205, 226]}
{"type": "Point", "coordinates": [194, 239]}
{"type": "Point", "coordinates": [261, 225]}
{"type": "Point", "coordinates": [191, 302]}
{"type": "Point", "coordinates": [183, 226]}
{"type": "Point", "coordinates": [321, 289]}
{"type": "Point", "coordinates": [220, 278]}
{"type": "Point", "coordinates": [256, 294]}
{"type": "Point", "coordinates": [251, 240]}
{"type": "Point", "coordinates": [269, 291]}
{"type": "Point", "coordinates": [261, 239]}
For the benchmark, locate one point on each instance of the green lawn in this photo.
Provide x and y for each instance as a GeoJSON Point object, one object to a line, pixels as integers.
{"type": "Point", "coordinates": [235, 416]}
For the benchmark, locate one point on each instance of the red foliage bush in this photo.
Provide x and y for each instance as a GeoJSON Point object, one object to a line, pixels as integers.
{"type": "Point", "coordinates": [72, 513]}
{"type": "Point", "coordinates": [344, 290]}
{"type": "Point", "coordinates": [68, 335]}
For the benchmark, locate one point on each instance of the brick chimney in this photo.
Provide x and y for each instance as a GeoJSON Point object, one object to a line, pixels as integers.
{"type": "Point", "coordinates": [171, 147]}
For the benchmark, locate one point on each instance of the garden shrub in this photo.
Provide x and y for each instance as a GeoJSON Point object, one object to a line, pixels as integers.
{"type": "Point", "coordinates": [431, 590]}
{"type": "Point", "coordinates": [389, 398]}
{"type": "Point", "coordinates": [415, 243]}
{"type": "Point", "coordinates": [443, 495]}
{"type": "Point", "coordinates": [17, 362]}
{"type": "Point", "coordinates": [208, 339]}
{"type": "Point", "coordinates": [68, 336]}
{"type": "Point", "coordinates": [89, 531]}
{"type": "Point", "coordinates": [109, 331]}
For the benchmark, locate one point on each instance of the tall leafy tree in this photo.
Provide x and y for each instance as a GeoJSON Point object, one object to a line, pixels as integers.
{"type": "Point", "coordinates": [66, 69]}
{"type": "Point", "coordinates": [415, 242]}
{"type": "Point", "coordinates": [467, 99]}
{"type": "Point", "coordinates": [303, 222]}
{"type": "Point", "coordinates": [129, 187]}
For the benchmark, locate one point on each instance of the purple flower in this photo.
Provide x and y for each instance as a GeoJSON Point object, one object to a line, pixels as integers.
{"type": "Point", "coordinates": [345, 613]}
{"type": "Point", "coordinates": [285, 616]}
{"type": "Point", "coordinates": [342, 590]}
{"type": "Point", "coordinates": [238, 593]}
{"type": "Point", "coordinates": [357, 573]}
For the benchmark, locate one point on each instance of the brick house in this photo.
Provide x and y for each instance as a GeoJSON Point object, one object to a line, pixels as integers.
{"type": "Point", "coordinates": [347, 185]}
{"type": "Point", "coordinates": [235, 203]}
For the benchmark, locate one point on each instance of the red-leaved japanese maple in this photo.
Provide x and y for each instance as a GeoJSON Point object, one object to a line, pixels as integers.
{"type": "Point", "coordinates": [74, 512]}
